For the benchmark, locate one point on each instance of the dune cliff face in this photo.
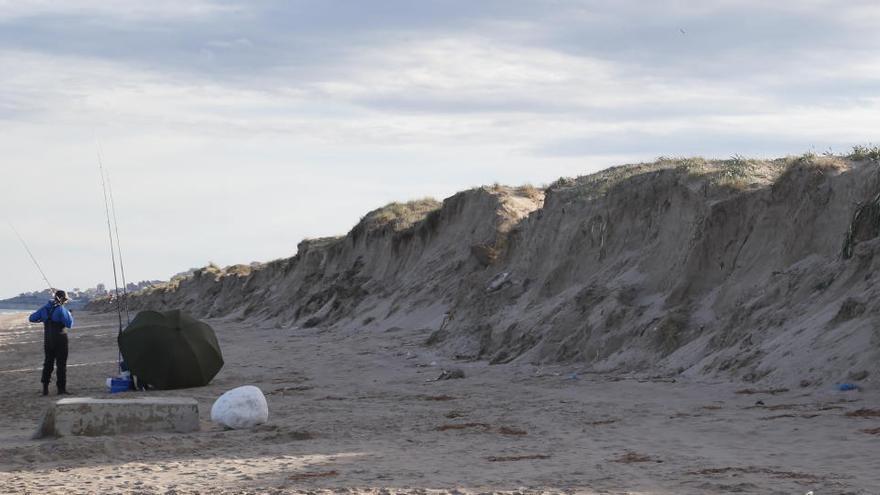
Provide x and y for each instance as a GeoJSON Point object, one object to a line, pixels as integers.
{"type": "Point", "coordinates": [759, 271]}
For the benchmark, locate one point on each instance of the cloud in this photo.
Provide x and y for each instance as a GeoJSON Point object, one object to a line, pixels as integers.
{"type": "Point", "coordinates": [691, 142]}
{"type": "Point", "coordinates": [292, 118]}
{"type": "Point", "coordinates": [126, 10]}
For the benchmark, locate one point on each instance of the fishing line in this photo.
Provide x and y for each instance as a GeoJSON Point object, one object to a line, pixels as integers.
{"type": "Point", "coordinates": [33, 258]}
{"type": "Point", "coordinates": [110, 232]}
{"type": "Point", "coordinates": [118, 244]}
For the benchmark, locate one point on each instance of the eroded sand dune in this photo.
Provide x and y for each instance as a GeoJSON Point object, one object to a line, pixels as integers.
{"type": "Point", "coordinates": [762, 271]}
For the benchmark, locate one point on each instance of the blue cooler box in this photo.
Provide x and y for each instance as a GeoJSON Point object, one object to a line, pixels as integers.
{"type": "Point", "coordinates": [118, 384]}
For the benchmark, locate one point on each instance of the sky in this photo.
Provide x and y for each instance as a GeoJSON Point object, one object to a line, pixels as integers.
{"type": "Point", "coordinates": [231, 130]}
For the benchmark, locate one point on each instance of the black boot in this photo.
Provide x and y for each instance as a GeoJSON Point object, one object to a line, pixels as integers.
{"type": "Point", "coordinates": [45, 389]}
{"type": "Point", "coordinates": [63, 391]}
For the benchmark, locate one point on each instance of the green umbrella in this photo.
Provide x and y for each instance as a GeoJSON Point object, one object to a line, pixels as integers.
{"type": "Point", "coordinates": [170, 349]}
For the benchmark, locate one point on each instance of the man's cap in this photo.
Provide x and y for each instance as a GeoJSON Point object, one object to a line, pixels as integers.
{"type": "Point", "coordinates": [60, 295]}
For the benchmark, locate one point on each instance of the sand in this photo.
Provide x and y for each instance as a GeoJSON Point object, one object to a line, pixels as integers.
{"type": "Point", "coordinates": [356, 411]}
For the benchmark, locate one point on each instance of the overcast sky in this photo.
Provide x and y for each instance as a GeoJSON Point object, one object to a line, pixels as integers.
{"type": "Point", "coordinates": [233, 129]}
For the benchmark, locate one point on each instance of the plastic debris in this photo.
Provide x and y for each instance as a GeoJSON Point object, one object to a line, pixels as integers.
{"type": "Point", "coordinates": [846, 387]}
{"type": "Point", "coordinates": [453, 374]}
{"type": "Point", "coordinates": [498, 282]}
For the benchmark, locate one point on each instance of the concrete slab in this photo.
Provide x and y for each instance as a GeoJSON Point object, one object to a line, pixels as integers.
{"type": "Point", "coordinates": [97, 417]}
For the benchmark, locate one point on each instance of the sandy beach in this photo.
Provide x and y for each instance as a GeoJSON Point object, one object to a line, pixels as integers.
{"type": "Point", "coordinates": [361, 412]}
{"type": "Point", "coordinates": [522, 248]}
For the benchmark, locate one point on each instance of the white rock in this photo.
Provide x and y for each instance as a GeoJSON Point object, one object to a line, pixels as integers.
{"type": "Point", "coordinates": [242, 407]}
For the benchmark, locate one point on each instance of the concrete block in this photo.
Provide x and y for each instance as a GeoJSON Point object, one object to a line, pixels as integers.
{"type": "Point", "coordinates": [97, 417]}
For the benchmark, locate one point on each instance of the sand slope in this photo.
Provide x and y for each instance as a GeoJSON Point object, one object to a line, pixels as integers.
{"type": "Point", "coordinates": [763, 271]}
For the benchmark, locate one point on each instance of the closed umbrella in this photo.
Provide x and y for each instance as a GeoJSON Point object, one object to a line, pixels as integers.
{"type": "Point", "coordinates": [170, 349]}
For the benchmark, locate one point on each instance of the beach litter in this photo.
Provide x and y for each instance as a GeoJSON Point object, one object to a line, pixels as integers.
{"type": "Point", "coordinates": [453, 374]}
{"type": "Point", "coordinates": [498, 282]}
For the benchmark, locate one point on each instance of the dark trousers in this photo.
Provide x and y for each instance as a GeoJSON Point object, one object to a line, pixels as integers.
{"type": "Point", "coordinates": [55, 349]}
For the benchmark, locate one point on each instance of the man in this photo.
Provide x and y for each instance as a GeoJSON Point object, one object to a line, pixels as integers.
{"type": "Point", "coordinates": [56, 319]}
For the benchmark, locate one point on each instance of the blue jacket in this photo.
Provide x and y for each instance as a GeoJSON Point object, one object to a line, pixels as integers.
{"type": "Point", "coordinates": [60, 315]}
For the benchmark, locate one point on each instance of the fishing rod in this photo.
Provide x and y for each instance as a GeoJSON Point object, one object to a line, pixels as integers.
{"type": "Point", "coordinates": [118, 245]}
{"type": "Point", "coordinates": [110, 232]}
{"type": "Point", "coordinates": [33, 258]}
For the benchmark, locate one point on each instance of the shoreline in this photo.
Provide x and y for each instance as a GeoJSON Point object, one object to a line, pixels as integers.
{"type": "Point", "coordinates": [13, 319]}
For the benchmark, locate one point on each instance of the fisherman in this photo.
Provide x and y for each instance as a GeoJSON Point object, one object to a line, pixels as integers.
{"type": "Point", "coordinates": [56, 319]}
